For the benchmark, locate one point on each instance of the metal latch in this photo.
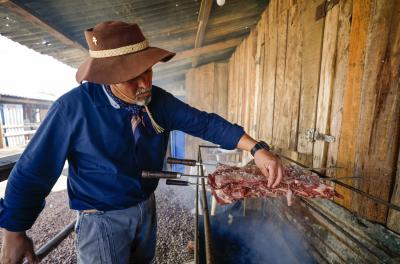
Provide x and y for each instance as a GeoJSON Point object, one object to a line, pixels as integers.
{"type": "Point", "coordinates": [313, 135]}
{"type": "Point", "coordinates": [323, 8]}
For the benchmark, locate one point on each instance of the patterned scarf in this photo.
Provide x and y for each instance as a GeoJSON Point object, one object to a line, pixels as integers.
{"type": "Point", "coordinates": [137, 122]}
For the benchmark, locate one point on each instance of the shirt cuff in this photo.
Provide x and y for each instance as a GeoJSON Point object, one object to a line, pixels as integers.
{"type": "Point", "coordinates": [18, 219]}
{"type": "Point", "coordinates": [231, 137]}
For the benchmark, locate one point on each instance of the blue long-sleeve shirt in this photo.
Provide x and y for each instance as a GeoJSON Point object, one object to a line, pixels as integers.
{"type": "Point", "coordinates": [86, 127]}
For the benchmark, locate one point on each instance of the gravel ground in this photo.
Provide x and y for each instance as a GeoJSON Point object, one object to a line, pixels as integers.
{"type": "Point", "coordinates": [175, 225]}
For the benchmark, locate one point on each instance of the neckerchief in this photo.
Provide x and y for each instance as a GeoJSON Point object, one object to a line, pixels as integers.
{"type": "Point", "coordinates": [136, 111]}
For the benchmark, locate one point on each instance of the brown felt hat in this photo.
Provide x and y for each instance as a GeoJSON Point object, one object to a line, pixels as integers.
{"type": "Point", "coordinates": [118, 52]}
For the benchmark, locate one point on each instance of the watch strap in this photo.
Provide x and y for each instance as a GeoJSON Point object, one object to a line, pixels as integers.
{"type": "Point", "coordinates": [259, 145]}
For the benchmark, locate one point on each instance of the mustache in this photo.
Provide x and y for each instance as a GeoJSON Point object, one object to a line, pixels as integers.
{"type": "Point", "coordinates": [143, 90]}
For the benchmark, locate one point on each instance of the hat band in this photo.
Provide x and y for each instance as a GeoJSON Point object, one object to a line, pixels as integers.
{"type": "Point", "coordinates": [119, 51]}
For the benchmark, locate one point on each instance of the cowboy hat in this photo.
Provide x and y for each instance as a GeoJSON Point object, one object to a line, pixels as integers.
{"type": "Point", "coordinates": [118, 52]}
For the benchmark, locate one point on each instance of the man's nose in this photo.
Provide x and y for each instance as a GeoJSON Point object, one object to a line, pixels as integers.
{"type": "Point", "coordinates": [144, 82]}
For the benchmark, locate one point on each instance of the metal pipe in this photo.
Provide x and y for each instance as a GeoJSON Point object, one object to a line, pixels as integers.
{"type": "Point", "coordinates": [337, 181]}
{"type": "Point", "coordinates": [44, 250]}
{"type": "Point", "coordinates": [207, 225]}
{"type": "Point", "coordinates": [196, 220]}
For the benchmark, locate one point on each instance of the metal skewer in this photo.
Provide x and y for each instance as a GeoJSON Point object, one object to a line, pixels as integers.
{"type": "Point", "coordinates": [179, 182]}
{"type": "Point", "coordinates": [337, 181]}
{"type": "Point", "coordinates": [166, 175]}
{"type": "Point", "coordinates": [187, 162]}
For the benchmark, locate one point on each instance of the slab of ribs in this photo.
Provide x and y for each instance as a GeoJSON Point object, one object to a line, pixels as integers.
{"type": "Point", "coordinates": [229, 183]}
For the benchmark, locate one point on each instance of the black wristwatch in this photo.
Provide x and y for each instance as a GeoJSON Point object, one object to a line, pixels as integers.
{"type": "Point", "coordinates": [259, 145]}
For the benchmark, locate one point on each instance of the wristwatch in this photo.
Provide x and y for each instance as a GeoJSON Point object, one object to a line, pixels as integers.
{"type": "Point", "coordinates": [259, 145]}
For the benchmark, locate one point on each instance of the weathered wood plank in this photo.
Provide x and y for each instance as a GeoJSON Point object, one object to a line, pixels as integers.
{"type": "Point", "coordinates": [344, 27]}
{"type": "Point", "coordinates": [259, 71]}
{"type": "Point", "coordinates": [378, 131]}
{"type": "Point", "coordinates": [293, 75]}
{"type": "Point", "coordinates": [312, 32]}
{"type": "Point", "coordinates": [280, 125]}
{"type": "Point", "coordinates": [393, 221]}
{"type": "Point", "coordinates": [200, 84]}
{"type": "Point", "coordinates": [326, 81]}
{"type": "Point", "coordinates": [250, 95]}
{"type": "Point", "coordinates": [246, 86]}
{"type": "Point", "coordinates": [221, 89]}
{"type": "Point", "coordinates": [351, 106]}
{"type": "Point", "coordinates": [241, 82]}
{"type": "Point", "coordinates": [237, 83]}
{"type": "Point", "coordinates": [269, 75]}
{"type": "Point", "coordinates": [231, 89]}
{"type": "Point", "coordinates": [284, 5]}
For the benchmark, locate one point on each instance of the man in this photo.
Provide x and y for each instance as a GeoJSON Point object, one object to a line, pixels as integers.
{"type": "Point", "coordinates": [110, 128]}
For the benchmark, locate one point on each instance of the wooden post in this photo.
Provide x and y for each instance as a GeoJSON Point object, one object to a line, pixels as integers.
{"type": "Point", "coordinates": [2, 140]}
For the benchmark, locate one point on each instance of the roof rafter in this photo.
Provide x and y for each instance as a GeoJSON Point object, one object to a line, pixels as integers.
{"type": "Point", "coordinates": [204, 14]}
{"type": "Point", "coordinates": [219, 46]}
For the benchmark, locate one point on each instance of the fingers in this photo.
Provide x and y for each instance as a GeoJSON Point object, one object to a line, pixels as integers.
{"type": "Point", "coordinates": [275, 176]}
{"type": "Point", "coordinates": [279, 178]}
{"type": "Point", "coordinates": [272, 173]}
{"type": "Point", "coordinates": [270, 166]}
{"type": "Point", "coordinates": [264, 171]}
{"type": "Point", "coordinates": [30, 253]}
{"type": "Point", "coordinates": [32, 258]}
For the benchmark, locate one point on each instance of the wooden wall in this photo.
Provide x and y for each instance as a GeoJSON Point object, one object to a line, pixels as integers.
{"type": "Point", "coordinates": [338, 75]}
{"type": "Point", "coordinates": [207, 90]}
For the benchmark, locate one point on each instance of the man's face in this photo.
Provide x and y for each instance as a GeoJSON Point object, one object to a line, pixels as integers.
{"type": "Point", "coordinates": [138, 88]}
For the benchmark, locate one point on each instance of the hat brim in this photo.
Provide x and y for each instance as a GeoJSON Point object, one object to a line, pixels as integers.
{"type": "Point", "coordinates": [122, 68]}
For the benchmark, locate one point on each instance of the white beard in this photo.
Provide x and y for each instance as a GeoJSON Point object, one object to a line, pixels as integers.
{"type": "Point", "coordinates": [144, 102]}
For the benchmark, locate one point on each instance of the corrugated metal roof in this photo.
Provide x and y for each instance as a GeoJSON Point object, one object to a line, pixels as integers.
{"type": "Point", "coordinates": [167, 24]}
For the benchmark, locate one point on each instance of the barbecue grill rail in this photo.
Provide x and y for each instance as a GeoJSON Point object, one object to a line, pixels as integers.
{"type": "Point", "coordinates": [206, 214]}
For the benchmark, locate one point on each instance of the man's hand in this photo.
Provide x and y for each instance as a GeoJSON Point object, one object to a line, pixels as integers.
{"type": "Point", "coordinates": [270, 165]}
{"type": "Point", "coordinates": [16, 247]}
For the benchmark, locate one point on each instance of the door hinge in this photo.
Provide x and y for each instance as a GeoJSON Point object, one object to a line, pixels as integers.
{"type": "Point", "coordinates": [313, 135]}
{"type": "Point", "coordinates": [323, 8]}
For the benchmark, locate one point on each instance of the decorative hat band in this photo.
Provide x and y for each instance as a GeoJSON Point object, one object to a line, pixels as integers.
{"type": "Point", "coordinates": [119, 51]}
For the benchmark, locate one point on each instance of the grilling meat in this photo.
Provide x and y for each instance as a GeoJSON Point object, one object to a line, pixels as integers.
{"type": "Point", "coordinates": [230, 183]}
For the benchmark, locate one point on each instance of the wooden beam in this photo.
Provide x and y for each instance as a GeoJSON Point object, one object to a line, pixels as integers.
{"type": "Point", "coordinates": [167, 70]}
{"type": "Point", "coordinates": [219, 46]}
{"type": "Point", "coordinates": [34, 18]}
{"type": "Point", "coordinates": [204, 14]}
{"type": "Point", "coordinates": [179, 76]}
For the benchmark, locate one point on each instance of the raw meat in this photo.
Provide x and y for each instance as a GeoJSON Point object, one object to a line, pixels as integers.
{"type": "Point", "coordinates": [230, 183]}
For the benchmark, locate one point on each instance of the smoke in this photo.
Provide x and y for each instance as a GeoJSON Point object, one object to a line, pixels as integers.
{"type": "Point", "coordinates": [256, 239]}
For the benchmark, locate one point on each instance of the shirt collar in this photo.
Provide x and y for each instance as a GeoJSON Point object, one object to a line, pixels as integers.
{"type": "Point", "coordinates": [112, 101]}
